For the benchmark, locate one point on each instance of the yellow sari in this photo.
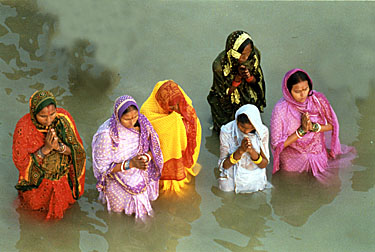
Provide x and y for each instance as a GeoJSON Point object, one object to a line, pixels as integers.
{"type": "Point", "coordinates": [173, 117]}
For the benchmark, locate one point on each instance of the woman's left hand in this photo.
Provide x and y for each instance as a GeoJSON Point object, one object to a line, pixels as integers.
{"type": "Point", "coordinates": [139, 162]}
{"type": "Point", "coordinates": [253, 154]}
{"type": "Point", "coordinates": [249, 146]}
{"type": "Point", "coordinates": [251, 151]}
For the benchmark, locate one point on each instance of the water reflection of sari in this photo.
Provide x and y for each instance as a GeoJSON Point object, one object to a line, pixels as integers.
{"type": "Point", "coordinates": [171, 113]}
{"type": "Point", "coordinates": [224, 67]}
{"type": "Point", "coordinates": [247, 214]}
{"type": "Point", "coordinates": [54, 182]}
{"type": "Point", "coordinates": [307, 154]}
{"type": "Point", "coordinates": [131, 190]}
{"type": "Point", "coordinates": [297, 196]}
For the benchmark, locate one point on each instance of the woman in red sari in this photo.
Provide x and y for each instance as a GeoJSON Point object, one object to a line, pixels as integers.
{"type": "Point", "coordinates": [48, 152]}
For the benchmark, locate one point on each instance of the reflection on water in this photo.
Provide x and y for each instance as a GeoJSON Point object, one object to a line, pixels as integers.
{"type": "Point", "coordinates": [38, 235]}
{"type": "Point", "coordinates": [33, 64]}
{"type": "Point", "coordinates": [173, 215]}
{"type": "Point", "coordinates": [90, 86]}
{"type": "Point", "coordinates": [213, 143]}
{"type": "Point", "coordinates": [244, 213]}
{"type": "Point", "coordinates": [8, 91]}
{"type": "Point", "coordinates": [30, 59]}
{"type": "Point", "coordinates": [29, 24]}
{"type": "Point", "coordinates": [296, 196]}
{"type": "Point", "coordinates": [364, 180]}
{"type": "Point", "coordinates": [116, 232]}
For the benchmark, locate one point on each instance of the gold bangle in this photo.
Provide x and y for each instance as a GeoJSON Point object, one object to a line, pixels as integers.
{"type": "Point", "coordinates": [232, 159]}
{"type": "Point", "coordinates": [260, 159]}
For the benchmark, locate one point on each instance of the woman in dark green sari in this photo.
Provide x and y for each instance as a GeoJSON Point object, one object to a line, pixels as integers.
{"type": "Point", "coordinates": [238, 79]}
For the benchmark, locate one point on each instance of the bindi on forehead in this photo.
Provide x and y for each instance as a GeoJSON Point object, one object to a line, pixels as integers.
{"type": "Point", "coordinates": [301, 85]}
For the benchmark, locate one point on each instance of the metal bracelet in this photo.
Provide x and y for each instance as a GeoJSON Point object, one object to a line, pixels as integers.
{"type": "Point", "coordinates": [40, 153]}
{"type": "Point", "coordinates": [301, 132]}
{"type": "Point", "coordinates": [62, 148]}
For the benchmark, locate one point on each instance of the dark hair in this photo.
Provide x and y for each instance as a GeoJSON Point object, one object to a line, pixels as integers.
{"type": "Point", "coordinates": [244, 44]}
{"type": "Point", "coordinates": [243, 119]}
{"type": "Point", "coordinates": [297, 77]}
{"type": "Point", "coordinates": [130, 108]}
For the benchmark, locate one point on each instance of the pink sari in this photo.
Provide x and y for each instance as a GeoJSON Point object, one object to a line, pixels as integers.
{"type": "Point", "coordinates": [307, 154]}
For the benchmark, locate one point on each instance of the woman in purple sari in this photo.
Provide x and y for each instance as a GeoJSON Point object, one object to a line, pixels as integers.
{"type": "Point", "coordinates": [127, 160]}
{"type": "Point", "coordinates": [298, 123]}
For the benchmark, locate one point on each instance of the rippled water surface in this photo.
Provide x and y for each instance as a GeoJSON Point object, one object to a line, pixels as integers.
{"type": "Point", "coordinates": [90, 52]}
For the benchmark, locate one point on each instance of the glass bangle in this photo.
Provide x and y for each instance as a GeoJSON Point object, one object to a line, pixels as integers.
{"type": "Point", "coordinates": [260, 159]}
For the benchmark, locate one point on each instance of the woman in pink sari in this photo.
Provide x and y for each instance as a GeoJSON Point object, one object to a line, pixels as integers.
{"type": "Point", "coordinates": [298, 123]}
{"type": "Point", "coordinates": [127, 160]}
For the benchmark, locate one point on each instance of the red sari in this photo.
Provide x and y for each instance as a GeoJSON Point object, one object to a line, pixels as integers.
{"type": "Point", "coordinates": [54, 182]}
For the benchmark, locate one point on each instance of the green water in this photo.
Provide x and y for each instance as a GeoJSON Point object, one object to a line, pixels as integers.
{"type": "Point", "coordinates": [90, 52]}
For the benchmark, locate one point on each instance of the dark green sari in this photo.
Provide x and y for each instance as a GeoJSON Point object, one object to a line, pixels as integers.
{"type": "Point", "coordinates": [224, 67]}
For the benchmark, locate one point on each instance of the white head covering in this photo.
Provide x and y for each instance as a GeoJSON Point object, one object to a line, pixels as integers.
{"type": "Point", "coordinates": [261, 131]}
{"type": "Point", "coordinates": [245, 176]}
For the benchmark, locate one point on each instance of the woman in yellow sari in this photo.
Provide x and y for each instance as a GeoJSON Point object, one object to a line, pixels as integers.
{"type": "Point", "coordinates": [173, 117]}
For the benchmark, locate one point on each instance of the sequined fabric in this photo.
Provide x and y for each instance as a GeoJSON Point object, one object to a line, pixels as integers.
{"type": "Point", "coordinates": [224, 68]}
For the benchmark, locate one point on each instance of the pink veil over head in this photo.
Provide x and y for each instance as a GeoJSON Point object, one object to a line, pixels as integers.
{"type": "Point", "coordinates": [316, 105]}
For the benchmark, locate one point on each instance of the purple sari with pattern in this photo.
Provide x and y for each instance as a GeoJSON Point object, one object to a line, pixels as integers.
{"type": "Point", "coordinates": [307, 154]}
{"type": "Point", "coordinates": [131, 190]}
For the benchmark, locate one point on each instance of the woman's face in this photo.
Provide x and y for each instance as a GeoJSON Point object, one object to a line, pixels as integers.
{"type": "Point", "coordinates": [129, 119]}
{"type": "Point", "coordinates": [245, 54]}
{"type": "Point", "coordinates": [46, 116]}
{"type": "Point", "coordinates": [245, 128]}
{"type": "Point", "coordinates": [300, 91]}
{"type": "Point", "coordinates": [175, 107]}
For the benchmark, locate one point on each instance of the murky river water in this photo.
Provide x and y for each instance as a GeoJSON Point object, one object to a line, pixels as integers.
{"type": "Point", "coordinates": [90, 52]}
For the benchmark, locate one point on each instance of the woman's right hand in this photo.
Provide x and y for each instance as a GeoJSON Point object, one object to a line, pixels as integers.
{"type": "Point", "coordinates": [138, 162]}
{"type": "Point", "coordinates": [245, 145]}
{"type": "Point", "coordinates": [305, 122]}
{"type": "Point", "coordinates": [243, 72]}
{"type": "Point", "coordinates": [52, 141]}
